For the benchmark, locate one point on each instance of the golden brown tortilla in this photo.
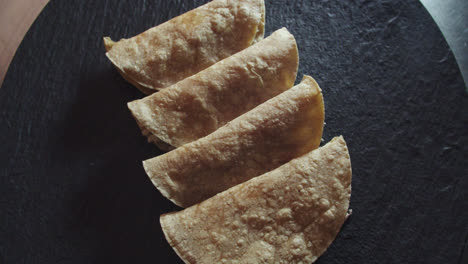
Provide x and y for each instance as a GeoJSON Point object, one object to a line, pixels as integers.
{"type": "Point", "coordinates": [289, 215]}
{"type": "Point", "coordinates": [187, 44]}
{"type": "Point", "coordinates": [284, 127]}
{"type": "Point", "coordinates": [201, 103]}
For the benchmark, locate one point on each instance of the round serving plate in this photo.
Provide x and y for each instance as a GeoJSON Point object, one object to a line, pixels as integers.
{"type": "Point", "coordinates": [72, 185]}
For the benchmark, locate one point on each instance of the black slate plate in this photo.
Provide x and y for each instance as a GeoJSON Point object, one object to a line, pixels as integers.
{"type": "Point", "coordinates": [72, 186]}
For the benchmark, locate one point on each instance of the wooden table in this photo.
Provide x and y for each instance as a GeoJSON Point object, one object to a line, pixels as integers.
{"type": "Point", "coordinates": [16, 16]}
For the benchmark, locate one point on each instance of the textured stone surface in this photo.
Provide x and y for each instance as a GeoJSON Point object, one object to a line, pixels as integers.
{"type": "Point", "coordinates": [72, 186]}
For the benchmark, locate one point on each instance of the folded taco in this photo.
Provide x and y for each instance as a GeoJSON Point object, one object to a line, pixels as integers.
{"type": "Point", "coordinates": [288, 215]}
{"type": "Point", "coordinates": [284, 127]}
{"type": "Point", "coordinates": [187, 44]}
{"type": "Point", "coordinates": [201, 103]}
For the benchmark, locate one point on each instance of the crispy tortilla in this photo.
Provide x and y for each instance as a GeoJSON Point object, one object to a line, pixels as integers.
{"type": "Point", "coordinates": [289, 215]}
{"type": "Point", "coordinates": [284, 127]}
{"type": "Point", "coordinates": [200, 104]}
{"type": "Point", "coordinates": [187, 44]}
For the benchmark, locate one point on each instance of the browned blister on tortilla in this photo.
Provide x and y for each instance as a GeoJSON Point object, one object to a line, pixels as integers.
{"type": "Point", "coordinates": [284, 127]}
{"type": "Point", "coordinates": [288, 215]}
{"type": "Point", "coordinates": [187, 44]}
{"type": "Point", "coordinates": [200, 104]}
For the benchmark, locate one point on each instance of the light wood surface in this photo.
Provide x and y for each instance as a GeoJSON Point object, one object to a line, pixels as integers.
{"type": "Point", "coordinates": [16, 16]}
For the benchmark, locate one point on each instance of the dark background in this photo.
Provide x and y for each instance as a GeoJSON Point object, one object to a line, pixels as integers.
{"type": "Point", "coordinates": [72, 188]}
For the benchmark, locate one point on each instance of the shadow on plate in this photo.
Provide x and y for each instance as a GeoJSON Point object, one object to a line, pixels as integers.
{"type": "Point", "coordinates": [117, 207]}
